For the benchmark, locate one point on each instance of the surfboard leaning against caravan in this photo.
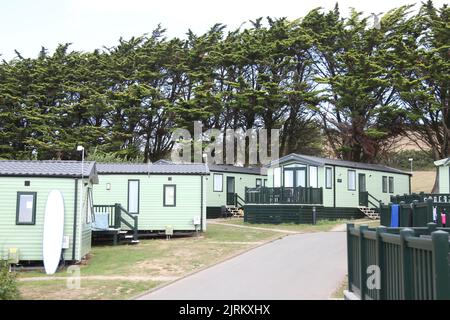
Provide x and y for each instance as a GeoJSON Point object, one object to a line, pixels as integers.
{"type": "Point", "coordinates": [53, 231]}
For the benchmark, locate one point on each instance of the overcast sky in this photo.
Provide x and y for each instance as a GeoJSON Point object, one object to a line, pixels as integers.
{"type": "Point", "coordinates": [26, 25]}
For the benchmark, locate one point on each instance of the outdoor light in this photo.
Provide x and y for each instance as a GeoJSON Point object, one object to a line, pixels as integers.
{"type": "Point", "coordinates": [108, 186]}
{"type": "Point", "coordinates": [80, 148]}
{"type": "Point", "coordinates": [411, 161]}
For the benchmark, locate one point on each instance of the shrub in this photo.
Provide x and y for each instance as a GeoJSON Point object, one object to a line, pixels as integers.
{"type": "Point", "coordinates": [422, 160]}
{"type": "Point", "coordinates": [8, 283]}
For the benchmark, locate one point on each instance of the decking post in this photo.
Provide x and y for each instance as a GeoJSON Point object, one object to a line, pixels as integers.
{"type": "Point", "coordinates": [413, 212]}
{"type": "Point", "coordinates": [349, 256]}
{"type": "Point", "coordinates": [117, 213]}
{"type": "Point", "coordinates": [380, 260]}
{"type": "Point", "coordinates": [440, 265]}
{"type": "Point", "coordinates": [314, 214]}
{"type": "Point", "coordinates": [135, 231]}
{"type": "Point", "coordinates": [362, 261]}
{"type": "Point", "coordinates": [406, 263]}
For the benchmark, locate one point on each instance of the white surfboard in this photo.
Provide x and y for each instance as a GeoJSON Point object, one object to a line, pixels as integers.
{"type": "Point", "coordinates": [53, 231]}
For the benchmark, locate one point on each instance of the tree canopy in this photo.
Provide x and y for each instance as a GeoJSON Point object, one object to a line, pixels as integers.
{"type": "Point", "coordinates": [347, 82]}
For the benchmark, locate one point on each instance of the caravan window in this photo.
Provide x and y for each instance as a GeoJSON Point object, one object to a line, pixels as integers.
{"type": "Point", "coordinates": [288, 178]}
{"type": "Point", "coordinates": [313, 176]}
{"type": "Point", "coordinates": [26, 208]}
{"type": "Point", "coordinates": [170, 192]}
{"type": "Point", "coordinates": [351, 180]}
{"type": "Point", "coordinates": [391, 184]}
{"type": "Point", "coordinates": [133, 196]}
{"type": "Point", "coordinates": [385, 184]}
{"type": "Point", "coordinates": [328, 178]}
{"type": "Point", "coordinates": [218, 182]}
{"type": "Point", "coordinates": [277, 177]}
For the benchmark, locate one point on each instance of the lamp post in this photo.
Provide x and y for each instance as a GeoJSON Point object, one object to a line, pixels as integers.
{"type": "Point", "coordinates": [81, 149]}
{"type": "Point", "coordinates": [411, 163]}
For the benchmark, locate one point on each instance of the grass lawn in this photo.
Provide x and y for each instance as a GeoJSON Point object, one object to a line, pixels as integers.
{"type": "Point", "coordinates": [146, 265]}
{"type": "Point", "coordinates": [321, 226]}
{"type": "Point", "coordinates": [124, 271]}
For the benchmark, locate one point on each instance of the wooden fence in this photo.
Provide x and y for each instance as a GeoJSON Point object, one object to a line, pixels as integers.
{"type": "Point", "coordinates": [415, 214]}
{"type": "Point", "coordinates": [410, 264]}
{"type": "Point", "coordinates": [421, 197]}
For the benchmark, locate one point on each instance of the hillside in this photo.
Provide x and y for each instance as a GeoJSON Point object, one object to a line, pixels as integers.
{"type": "Point", "coordinates": [422, 181]}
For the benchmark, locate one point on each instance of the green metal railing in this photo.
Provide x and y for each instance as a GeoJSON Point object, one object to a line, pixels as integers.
{"type": "Point", "coordinates": [366, 199]}
{"type": "Point", "coordinates": [411, 264]}
{"type": "Point", "coordinates": [119, 216]}
{"type": "Point", "coordinates": [284, 195]}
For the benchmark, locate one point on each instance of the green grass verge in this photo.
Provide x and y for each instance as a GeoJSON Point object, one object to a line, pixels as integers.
{"type": "Point", "coordinates": [151, 259]}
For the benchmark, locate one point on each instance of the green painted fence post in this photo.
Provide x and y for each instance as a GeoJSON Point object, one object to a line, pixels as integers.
{"type": "Point", "coordinates": [380, 261]}
{"type": "Point", "coordinates": [349, 256]}
{"type": "Point", "coordinates": [362, 261]}
{"type": "Point", "coordinates": [406, 263]}
{"type": "Point", "coordinates": [431, 227]}
{"type": "Point", "coordinates": [429, 209]}
{"type": "Point", "coordinates": [440, 265]}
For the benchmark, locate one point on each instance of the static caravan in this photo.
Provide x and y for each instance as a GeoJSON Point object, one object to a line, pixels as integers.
{"type": "Point", "coordinates": [226, 186]}
{"type": "Point", "coordinates": [26, 202]}
{"type": "Point", "coordinates": [444, 175]}
{"type": "Point", "coordinates": [159, 195]}
{"type": "Point", "coordinates": [335, 188]}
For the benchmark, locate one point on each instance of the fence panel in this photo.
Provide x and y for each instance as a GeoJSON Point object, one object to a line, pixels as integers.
{"type": "Point", "coordinates": [414, 263]}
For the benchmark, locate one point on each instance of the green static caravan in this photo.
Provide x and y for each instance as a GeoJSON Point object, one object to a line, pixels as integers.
{"type": "Point", "coordinates": [443, 175]}
{"type": "Point", "coordinates": [226, 186]}
{"type": "Point", "coordinates": [160, 195]}
{"type": "Point", "coordinates": [24, 188]}
{"type": "Point", "coordinates": [335, 188]}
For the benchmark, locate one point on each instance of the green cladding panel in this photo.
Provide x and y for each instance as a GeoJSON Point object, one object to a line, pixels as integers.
{"type": "Point", "coordinates": [153, 215]}
{"type": "Point", "coordinates": [28, 238]}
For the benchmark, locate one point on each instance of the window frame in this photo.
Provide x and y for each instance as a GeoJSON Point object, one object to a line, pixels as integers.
{"type": "Point", "coordinates": [384, 184]}
{"type": "Point", "coordinates": [348, 180]}
{"type": "Point", "coordinates": [214, 182]}
{"type": "Point", "coordinates": [391, 180]}
{"type": "Point", "coordinates": [138, 195]}
{"type": "Point", "coordinates": [33, 213]}
{"type": "Point", "coordinates": [331, 178]}
{"type": "Point", "coordinates": [310, 175]}
{"type": "Point", "coordinates": [279, 182]}
{"type": "Point", "coordinates": [260, 183]}
{"type": "Point", "coordinates": [174, 195]}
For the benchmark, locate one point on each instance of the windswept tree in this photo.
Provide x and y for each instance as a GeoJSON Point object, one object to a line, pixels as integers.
{"type": "Point", "coordinates": [359, 109]}
{"type": "Point", "coordinates": [423, 78]}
